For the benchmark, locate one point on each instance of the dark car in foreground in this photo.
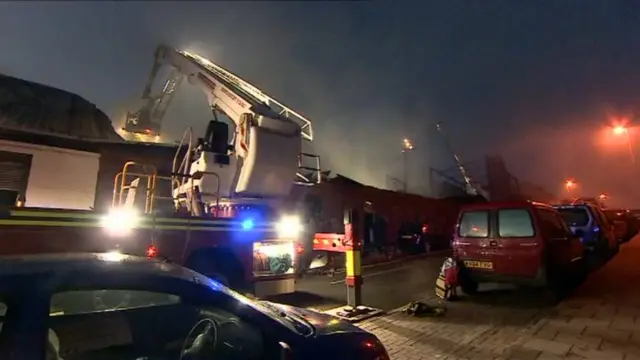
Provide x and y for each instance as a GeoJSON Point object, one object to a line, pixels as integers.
{"type": "Point", "coordinates": [113, 306]}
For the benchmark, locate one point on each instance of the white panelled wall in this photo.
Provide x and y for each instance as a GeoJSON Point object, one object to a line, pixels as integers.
{"type": "Point", "coordinates": [58, 178]}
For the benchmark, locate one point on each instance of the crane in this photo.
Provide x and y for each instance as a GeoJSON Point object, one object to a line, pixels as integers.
{"type": "Point", "coordinates": [263, 156]}
{"type": "Point", "coordinates": [470, 189]}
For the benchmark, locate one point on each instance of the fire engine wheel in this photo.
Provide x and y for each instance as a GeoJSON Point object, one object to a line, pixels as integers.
{"type": "Point", "coordinates": [219, 278]}
{"type": "Point", "coordinates": [216, 267]}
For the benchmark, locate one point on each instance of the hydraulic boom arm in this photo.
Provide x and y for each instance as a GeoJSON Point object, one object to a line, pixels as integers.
{"type": "Point", "coordinates": [263, 156]}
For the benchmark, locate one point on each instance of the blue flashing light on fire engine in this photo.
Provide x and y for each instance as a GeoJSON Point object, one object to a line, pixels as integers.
{"type": "Point", "coordinates": [247, 224]}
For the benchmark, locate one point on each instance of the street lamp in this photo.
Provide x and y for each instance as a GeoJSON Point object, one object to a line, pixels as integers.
{"type": "Point", "coordinates": [620, 130]}
{"type": "Point", "coordinates": [407, 146]}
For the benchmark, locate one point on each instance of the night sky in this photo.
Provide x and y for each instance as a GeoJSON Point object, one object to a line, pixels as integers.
{"type": "Point", "coordinates": [534, 81]}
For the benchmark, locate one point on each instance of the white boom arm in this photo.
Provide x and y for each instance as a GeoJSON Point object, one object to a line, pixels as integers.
{"type": "Point", "coordinates": [148, 120]}
{"type": "Point", "coordinates": [267, 141]}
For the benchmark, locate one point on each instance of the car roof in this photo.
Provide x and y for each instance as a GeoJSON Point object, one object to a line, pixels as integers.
{"type": "Point", "coordinates": [504, 205]}
{"type": "Point", "coordinates": [569, 206]}
{"type": "Point", "coordinates": [91, 262]}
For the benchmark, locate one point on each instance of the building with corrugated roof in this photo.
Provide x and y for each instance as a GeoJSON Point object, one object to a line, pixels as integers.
{"type": "Point", "coordinates": [39, 109]}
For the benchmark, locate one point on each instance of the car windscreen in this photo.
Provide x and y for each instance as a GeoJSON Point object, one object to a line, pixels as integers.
{"type": "Point", "coordinates": [134, 324]}
{"type": "Point", "coordinates": [574, 216]}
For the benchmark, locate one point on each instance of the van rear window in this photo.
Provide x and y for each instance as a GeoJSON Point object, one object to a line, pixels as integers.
{"type": "Point", "coordinates": [474, 224]}
{"type": "Point", "coordinates": [515, 223]}
{"type": "Point", "coordinates": [575, 216]}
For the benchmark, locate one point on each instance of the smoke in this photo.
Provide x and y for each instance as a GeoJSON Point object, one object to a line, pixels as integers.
{"type": "Point", "coordinates": [367, 74]}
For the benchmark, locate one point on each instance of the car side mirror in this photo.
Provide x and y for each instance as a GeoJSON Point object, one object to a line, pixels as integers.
{"type": "Point", "coordinates": [579, 233]}
{"type": "Point", "coordinates": [285, 351]}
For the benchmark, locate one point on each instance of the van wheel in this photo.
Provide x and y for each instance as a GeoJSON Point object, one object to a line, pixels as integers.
{"type": "Point", "coordinates": [467, 285]}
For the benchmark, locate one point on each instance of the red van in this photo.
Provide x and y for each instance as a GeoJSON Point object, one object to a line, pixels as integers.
{"type": "Point", "coordinates": [523, 243]}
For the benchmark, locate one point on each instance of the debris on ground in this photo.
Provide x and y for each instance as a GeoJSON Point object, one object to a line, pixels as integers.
{"type": "Point", "coordinates": [420, 309]}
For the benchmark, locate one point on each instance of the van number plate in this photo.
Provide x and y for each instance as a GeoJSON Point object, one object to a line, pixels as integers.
{"type": "Point", "coordinates": [486, 265]}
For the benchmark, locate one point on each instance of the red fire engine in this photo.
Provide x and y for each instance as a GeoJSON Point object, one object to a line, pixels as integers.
{"type": "Point", "coordinates": [222, 192]}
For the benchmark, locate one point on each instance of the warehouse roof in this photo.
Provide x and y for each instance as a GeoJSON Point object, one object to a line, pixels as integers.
{"type": "Point", "coordinates": [39, 109]}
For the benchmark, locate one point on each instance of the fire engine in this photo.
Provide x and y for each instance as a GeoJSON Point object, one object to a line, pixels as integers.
{"type": "Point", "coordinates": [224, 190]}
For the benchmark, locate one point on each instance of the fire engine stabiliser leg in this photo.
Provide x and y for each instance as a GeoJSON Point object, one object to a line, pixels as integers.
{"type": "Point", "coordinates": [353, 279]}
{"type": "Point", "coordinates": [350, 244]}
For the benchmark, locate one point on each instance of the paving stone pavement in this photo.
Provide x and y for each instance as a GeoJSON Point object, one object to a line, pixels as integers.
{"type": "Point", "coordinates": [601, 321]}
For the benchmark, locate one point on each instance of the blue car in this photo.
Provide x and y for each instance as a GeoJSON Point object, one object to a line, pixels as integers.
{"type": "Point", "coordinates": [591, 225]}
{"type": "Point", "coordinates": [113, 306]}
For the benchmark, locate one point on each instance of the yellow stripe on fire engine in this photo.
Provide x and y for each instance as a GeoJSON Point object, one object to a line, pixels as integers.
{"type": "Point", "coordinates": [53, 223]}
{"type": "Point", "coordinates": [98, 216]}
{"type": "Point", "coordinates": [353, 262]}
{"type": "Point", "coordinates": [55, 214]}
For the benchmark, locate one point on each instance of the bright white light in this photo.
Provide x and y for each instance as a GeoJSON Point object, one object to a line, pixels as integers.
{"type": "Point", "coordinates": [289, 227]}
{"type": "Point", "coordinates": [120, 222]}
{"type": "Point", "coordinates": [114, 256]}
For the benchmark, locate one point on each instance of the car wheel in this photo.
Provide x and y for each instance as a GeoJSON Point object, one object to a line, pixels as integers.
{"type": "Point", "coordinates": [605, 250]}
{"type": "Point", "coordinates": [616, 248]}
{"type": "Point", "coordinates": [580, 272]}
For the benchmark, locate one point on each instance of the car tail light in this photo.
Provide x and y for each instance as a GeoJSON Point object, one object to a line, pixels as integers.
{"type": "Point", "coordinates": [285, 351]}
{"type": "Point", "coordinates": [375, 350]}
{"type": "Point", "coordinates": [152, 251]}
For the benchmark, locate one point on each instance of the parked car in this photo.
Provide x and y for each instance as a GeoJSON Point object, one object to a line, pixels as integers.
{"type": "Point", "coordinates": [112, 306]}
{"type": "Point", "coordinates": [596, 231]}
{"type": "Point", "coordinates": [627, 223]}
{"type": "Point", "coordinates": [523, 243]}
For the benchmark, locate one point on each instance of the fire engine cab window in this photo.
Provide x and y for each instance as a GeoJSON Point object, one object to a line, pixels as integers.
{"type": "Point", "coordinates": [474, 224]}
{"type": "Point", "coordinates": [125, 324]}
{"type": "Point", "coordinates": [515, 223]}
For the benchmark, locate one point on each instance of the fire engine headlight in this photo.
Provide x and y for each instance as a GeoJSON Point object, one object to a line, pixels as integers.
{"type": "Point", "coordinates": [289, 227]}
{"type": "Point", "coordinates": [120, 222]}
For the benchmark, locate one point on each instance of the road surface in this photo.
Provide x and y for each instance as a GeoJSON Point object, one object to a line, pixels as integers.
{"type": "Point", "coordinates": [386, 286]}
{"type": "Point", "coordinates": [393, 285]}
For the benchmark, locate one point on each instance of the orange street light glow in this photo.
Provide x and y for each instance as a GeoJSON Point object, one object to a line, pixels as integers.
{"type": "Point", "coordinates": [619, 130]}
{"type": "Point", "coordinates": [569, 184]}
